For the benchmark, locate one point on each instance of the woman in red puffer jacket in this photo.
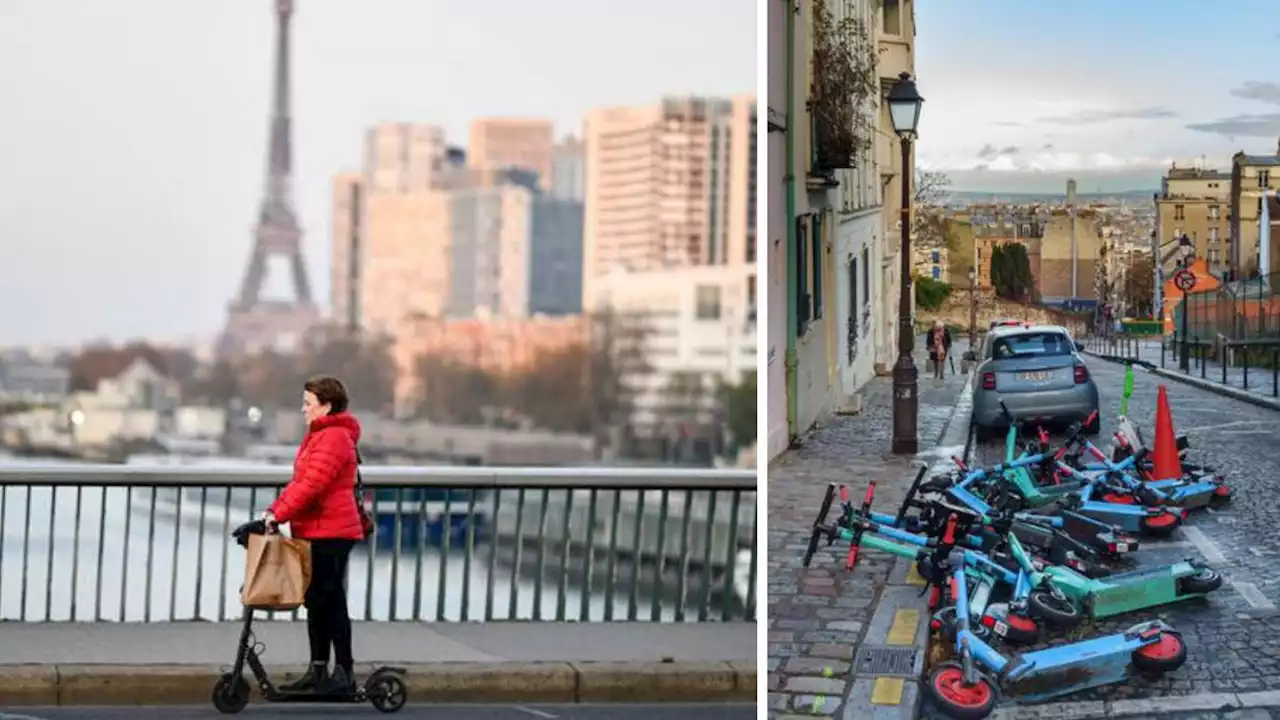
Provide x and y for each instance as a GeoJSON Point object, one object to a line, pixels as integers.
{"type": "Point", "coordinates": [319, 504]}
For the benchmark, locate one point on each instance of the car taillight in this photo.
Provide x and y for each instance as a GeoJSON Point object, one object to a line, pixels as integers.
{"type": "Point", "coordinates": [988, 381]}
{"type": "Point", "coordinates": [1082, 375]}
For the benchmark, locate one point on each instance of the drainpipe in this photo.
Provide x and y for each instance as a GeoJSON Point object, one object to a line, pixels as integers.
{"type": "Point", "coordinates": [789, 180]}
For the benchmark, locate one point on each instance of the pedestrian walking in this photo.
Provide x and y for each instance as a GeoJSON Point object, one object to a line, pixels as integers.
{"type": "Point", "coordinates": [939, 346]}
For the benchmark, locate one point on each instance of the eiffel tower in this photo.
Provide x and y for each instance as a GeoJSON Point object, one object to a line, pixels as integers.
{"type": "Point", "coordinates": [254, 323]}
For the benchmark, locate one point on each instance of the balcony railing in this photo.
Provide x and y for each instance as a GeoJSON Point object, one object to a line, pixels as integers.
{"type": "Point", "coordinates": [124, 543]}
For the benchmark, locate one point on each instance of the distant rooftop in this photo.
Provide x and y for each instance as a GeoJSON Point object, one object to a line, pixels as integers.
{"type": "Point", "coordinates": [1195, 173]}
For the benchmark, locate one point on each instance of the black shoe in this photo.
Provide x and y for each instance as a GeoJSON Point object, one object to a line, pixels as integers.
{"type": "Point", "coordinates": [341, 682]}
{"type": "Point", "coordinates": [317, 675]}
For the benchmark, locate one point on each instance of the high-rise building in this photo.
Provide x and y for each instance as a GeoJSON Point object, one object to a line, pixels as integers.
{"type": "Point", "coordinates": [662, 184]}
{"type": "Point", "coordinates": [515, 252]}
{"type": "Point", "coordinates": [344, 260]}
{"type": "Point", "coordinates": [568, 171]}
{"type": "Point", "coordinates": [499, 143]}
{"type": "Point", "coordinates": [403, 156]}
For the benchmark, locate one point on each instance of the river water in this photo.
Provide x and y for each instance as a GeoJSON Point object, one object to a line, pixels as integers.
{"type": "Point", "coordinates": [110, 561]}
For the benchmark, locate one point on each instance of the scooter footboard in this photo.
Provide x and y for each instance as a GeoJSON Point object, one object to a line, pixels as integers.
{"type": "Point", "coordinates": [1066, 669]}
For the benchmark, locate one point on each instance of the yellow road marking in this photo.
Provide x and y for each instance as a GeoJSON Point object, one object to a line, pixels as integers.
{"type": "Point", "coordinates": [913, 577]}
{"type": "Point", "coordinates": [887, 691]}
{"type": "Point", "coordinates": [903, 629]}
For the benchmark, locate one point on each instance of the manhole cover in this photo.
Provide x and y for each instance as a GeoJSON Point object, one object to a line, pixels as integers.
{"type": "Point", "coordinates": [885, 661]}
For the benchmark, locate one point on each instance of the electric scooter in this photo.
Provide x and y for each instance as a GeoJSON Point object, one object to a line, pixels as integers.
{"type": "Point", "coordinates": [1189, 493]}
{"type": "Point", "coordinates": [385, 688]}
{"type": "Point", "coordinates": [1077, 491]}
{"type": "Point", "coordinates": [1060, 594]}
{"type": "Point", "coordinates": [961, 689]}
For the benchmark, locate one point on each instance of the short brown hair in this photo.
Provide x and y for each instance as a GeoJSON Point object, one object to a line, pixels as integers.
{"type": "Point", "coordinates": [329, 391]}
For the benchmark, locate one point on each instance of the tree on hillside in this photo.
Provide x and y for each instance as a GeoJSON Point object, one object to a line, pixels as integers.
{"type": "Point", "coordinates": [1011, 272]}
{"type": "Point", "coordinates": [1139, 284]}
{"type": "Point", "coordinates": [930, 293]}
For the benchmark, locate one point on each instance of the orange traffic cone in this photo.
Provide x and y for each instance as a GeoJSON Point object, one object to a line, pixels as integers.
{"type": "Point", "coordinates": [1165, 463]}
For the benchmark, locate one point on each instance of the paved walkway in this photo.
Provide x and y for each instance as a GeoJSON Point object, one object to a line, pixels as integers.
{"type": "Point", "coordinates": [819, 617]}
{"type": "Point", "coordinates": [177, 663]}
{"type": "Point", "coordinates": [1257, 382]}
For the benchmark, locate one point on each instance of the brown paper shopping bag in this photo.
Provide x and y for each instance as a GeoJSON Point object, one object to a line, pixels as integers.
{"type": "Point", "coordinates": [277, 571]}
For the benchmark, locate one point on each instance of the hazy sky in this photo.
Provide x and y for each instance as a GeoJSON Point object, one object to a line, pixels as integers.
{"type": "Point", "coordinates": [133, 136]}
{"type": "Point", "coordinates": [1021, 94]}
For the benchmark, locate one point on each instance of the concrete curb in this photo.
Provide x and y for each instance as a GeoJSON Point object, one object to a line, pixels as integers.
{"type": "Point", "coordinates": [1210, 385]}
{"type": "Point", "coordinates": [553, 682]}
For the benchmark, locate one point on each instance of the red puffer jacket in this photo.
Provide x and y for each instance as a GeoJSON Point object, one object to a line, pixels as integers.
{"type": "Point", "coordinates": [319, 502]}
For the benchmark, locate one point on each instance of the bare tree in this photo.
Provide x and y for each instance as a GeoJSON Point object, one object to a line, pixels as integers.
{"type": "Point", "coordinates": [931, 187]}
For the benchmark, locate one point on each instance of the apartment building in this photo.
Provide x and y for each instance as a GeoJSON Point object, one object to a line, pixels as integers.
{"type": "Point", "coordinates": [834, 252]}
{"type": "Point", "coordinates": [1255, 179]}
{"type": "Point", "coordinates": [1194, 202]}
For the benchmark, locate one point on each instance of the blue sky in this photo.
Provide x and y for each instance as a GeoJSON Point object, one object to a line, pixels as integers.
{"type": "Point", "coordinates": [134, 147]}
{"type": "Point", "coordinates": [1022, 94]}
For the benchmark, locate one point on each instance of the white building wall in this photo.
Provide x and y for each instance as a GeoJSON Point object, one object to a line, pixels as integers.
{"type": "Point", "coordinates": [857, 296]}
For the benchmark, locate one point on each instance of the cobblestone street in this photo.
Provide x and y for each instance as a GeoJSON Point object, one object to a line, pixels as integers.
{"type": "Point", "coordinates": [819, 615]}
{"type": "Point", "coordinates": [1233, 636]}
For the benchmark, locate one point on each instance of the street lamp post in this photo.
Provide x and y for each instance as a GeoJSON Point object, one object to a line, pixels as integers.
{"type": "Point", "coordinates": [904, 111]}
{"type": "Point", "coordinates": [973, 307]}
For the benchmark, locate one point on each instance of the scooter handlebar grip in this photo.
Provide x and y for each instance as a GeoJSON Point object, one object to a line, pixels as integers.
{"type": "Point", "coordinates": [870, 494]}
{"type": "Point", "coordinates": [844, 494]}
{"type": "Point", "coordinates": [949, 536]}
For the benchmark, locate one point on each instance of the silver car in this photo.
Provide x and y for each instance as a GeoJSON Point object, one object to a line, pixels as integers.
{"type": "Point", "coordinates": [1038, 372]}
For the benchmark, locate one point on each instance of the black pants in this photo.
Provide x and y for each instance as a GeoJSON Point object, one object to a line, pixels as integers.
{"type": "Point", "coordinates": [328, 623]}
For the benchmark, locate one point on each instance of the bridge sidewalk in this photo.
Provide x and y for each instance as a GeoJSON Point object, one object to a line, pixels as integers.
{"type": "Point", "coordinates": [177, 663]}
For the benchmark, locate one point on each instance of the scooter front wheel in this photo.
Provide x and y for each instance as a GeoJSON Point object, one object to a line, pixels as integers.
{"type": "Point", "coordinates": [1055, 610]}
{"type": "Point", "coordinates": [387, 692]}
{"type": "Point", "coordinates": [955, 698]}
{"type": "Point", "coordinates": [230, 694]}
{"type": "Point", "coordinates": [1164, 655]}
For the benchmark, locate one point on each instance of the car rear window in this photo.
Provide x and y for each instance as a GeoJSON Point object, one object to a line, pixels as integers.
{"type": "Point", "coordinates": [1031, 345]}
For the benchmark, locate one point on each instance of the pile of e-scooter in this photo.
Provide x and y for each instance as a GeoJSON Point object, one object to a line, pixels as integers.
{"type": "Point", "coordinates": [1038, 544]}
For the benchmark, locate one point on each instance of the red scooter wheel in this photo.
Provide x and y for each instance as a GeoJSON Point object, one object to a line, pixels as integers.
{"type": "Point", "coordinates": [1164, 655]}
{"type": "Point", "coordinates": [1162, 524]}
{"type": "Point", "coordinates": [950, 693]}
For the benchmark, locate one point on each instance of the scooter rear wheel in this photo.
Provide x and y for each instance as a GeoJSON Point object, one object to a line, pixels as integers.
{"type": "Point", "coordinates": [230, 694]}
{"type": "Point", "coordinates": [955, 698]}
{"type": "Point", "coordinates": [1161, 525]}
{"type": "Point", "coordinates": [1165, 655]}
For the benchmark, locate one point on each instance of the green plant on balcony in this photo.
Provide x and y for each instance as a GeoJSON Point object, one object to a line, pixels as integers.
{"type": "Point", "coordinates": [845, 80]}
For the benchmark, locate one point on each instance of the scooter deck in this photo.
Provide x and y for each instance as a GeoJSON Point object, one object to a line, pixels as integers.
{"type": "Point", "coordinates": [307, 696]}
{"type": "Point", "coordinates": [1066, 669]}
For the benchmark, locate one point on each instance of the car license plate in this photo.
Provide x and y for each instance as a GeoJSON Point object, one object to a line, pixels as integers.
{"type": "Point", "coordinates": [1122, 547]}
{"type": "Point", "coordinates": [1040, 376]}
{"type": "Point", "coordinates": [1001, 629]}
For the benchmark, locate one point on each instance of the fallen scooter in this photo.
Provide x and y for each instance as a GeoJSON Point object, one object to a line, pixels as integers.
{"type": "Point", "coordinates": [968, 687]}
{"type": "Point", "coordinates": [385, 688]}
{"type": "Point", "coordinates": [1014, 619]}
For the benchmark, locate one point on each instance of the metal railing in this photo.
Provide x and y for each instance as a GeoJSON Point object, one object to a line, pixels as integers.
{"type": "Point", "coordinates": [125, 543]}
{"type": "Point", "coordinates": [1252, 365]}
